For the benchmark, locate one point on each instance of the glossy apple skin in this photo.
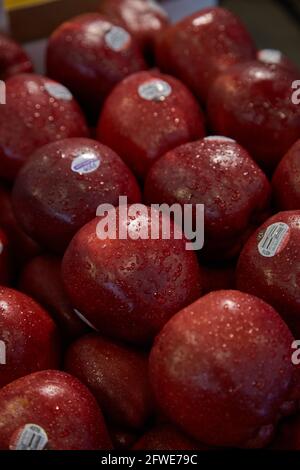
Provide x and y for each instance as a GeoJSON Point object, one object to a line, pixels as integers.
{"type": "Point", "coordinates": [200, 47]}
{"type": "Point", "coordinates": [276, 57]}
{"type": "Point", "coordinates": [165, 437]}
{"type": "Point", "coordinates": [276, 279]}
{"type": "Point", "coordinates": [32, 117]}
{"type": "Point", "coordinates": [5, 259]}
{"type": "Point", "coordinates": [145, 20]}
{"type": "Point", "coordinates": [286, 179]}
{"type": "Point", "coordinates": [13, 58]}
{"type": "Point", "coordinates": [221, 175]}
{"type": "Point", "coordinates": [120, 384]}
{"type": "Point", "coordinates": [252, 103]}
{"type": "Point", "coordinates": [79, 56]}
{"type": "Point", "coordinates": [41, 280]}
{"type": "Point", "coordinates": [23, 247]}
{"type": "Point", "coordinates": [135, 285]}
{"type": "Point", "coordinates": [52, 201]}
{"type": "Point", "coordinates": [60, 404]}
{"type": "Point", "coordinates": [151, 127]}
{"type": "Point", "coordinates": [226, 359]}
{"type": "Point", "coordinates": [122, 439]}
{"type": "Point", "coordinates": [30, 336]}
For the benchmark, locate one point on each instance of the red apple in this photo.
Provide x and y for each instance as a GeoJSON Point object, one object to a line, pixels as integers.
{"type": "Point", "coordinates": [201, 46]}
{"type": "Point", "coordinates": [221, 369]}
{"type": "Point", "coordinates": [146, 115]}
{"type": "Point", "coordinates": [37, 111]}
{"type": "Point", "coordinates": [276, 57]}
{"type": "Point", "coordinates": [23, 248]}
{"type": "Point", "coordinates": [129, 288]}
{"type": "Point", "coordinates": [220, 174]}
{"type": "Point", "coordinates": [59, 405]}
{"type": "Point", "coordinates": [90, 55]}
{"type": "Point", "coordinates": [41, 280]}
{"type": "Point", "coordinates": [5, 259]}
{"type": "Point", "coordinates": [28, 334]}
{"type": "Point", "coordinates": [286, 179]}
{"type": "Point", "coordinates": [120, 383]}
{"type": "Point", "coordinates": [165, 437]}
{"type": "Point", "coordinates": [60, 187]}
{"type": "Point", "coordinates": [269, 266]}
{"type": "Point", "coordinates": [122, 439]}
{"type": "Point", "coordinates": [144, 19]}
{"type": "Point", "coordinates": [13, 58]}
{"type": "Point", "coordinates": [252, 103]}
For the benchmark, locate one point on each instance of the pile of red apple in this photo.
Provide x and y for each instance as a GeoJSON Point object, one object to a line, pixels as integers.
{"type": "Point", "coordinates": [140, 343]}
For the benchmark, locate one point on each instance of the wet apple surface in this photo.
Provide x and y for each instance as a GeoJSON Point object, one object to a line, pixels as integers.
{"type": "Point", "coordinates": [60, 405]}
{"type": "Point", "coordinates": [286, 180]}
{"type": "Point", "coordinates": [37, 111]}
{"type": "Point", "coordinates": [220, 174]}
{"type": "Point", "coordinates": [135, 284]}
{"type": "Point", "coordinates": [252, 103]}
{"type": "Point", "coordinates": [144, 19]}
{"type": "Point", "coordinates": [13, 58]}
{"type": "Point", "coordinates": [201, 46]}
{"type": "Point", "coordinates": [226, 360]}
{"type": "Point", "coordinates": [41, 279]}
{"type": "Point", "coordinates": [60, 187]}
{"type": "Point", "coordinates": [269, 266]}
{"type": "Point", "coordinates": [29, 334]}
{"type": "Point", "coordinates": [120, 385]}
{"type": "Point", "coordinates": [161, 114]}
{"type": "Point", "coordinates": [90, 55]}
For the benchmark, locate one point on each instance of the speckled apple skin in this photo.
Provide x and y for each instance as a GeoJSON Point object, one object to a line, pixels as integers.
{"type": "Point", "coordinates": [60, 404]}
{"type": "Point", "coordinates": [79, 57]}
{"type": "Point", "coordinates": [116, 375]}
{"type": "Point", "coordinates": [252, 103]}
{"type": "Point", "coordinates": [145, 20]}
{"type": "Point", "coordinates": [30, 336]}
{"type": "Point", "coordinates": [5, 259]}
{"type": "Point", "coordinates": [23, 247]}
{"type": "Point", "coordinates": [41, 280]}
{"type": "Point", "coordinates": [221, 175]}
{"type": "Point", "coordinates": [32, 118]}
{"type": "Point", "coordinates": [201, 46]}
{"type": "Point", "coordinates": [165, 437]}
{"type": "Point", "coordinates": [277, 279]}
{"type": "Point", "coordinates": [286, 179]}
{"type": "Point", "coordinates": [140, 131]}
{"type": "Point", "coordinates": [13, 58]}
{"type": "Point", "coordinates": [52, 202]}
{"type": "Point", "coordinates": [128, 289]}
{"type": "Point", "coordinates": [221, 369]}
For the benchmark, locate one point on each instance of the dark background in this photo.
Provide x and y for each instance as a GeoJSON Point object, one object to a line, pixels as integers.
{"type": "Point", "coordinates": [275, 24]}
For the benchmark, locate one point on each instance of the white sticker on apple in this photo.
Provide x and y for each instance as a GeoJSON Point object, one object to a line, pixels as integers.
{"type": "Point", "coordinates": [117, 38]}
{"type": "Point", "coordinates": [32, 437]}
{"type": "Point", "coordinates": [218, 138]}
{"type": "Point", "coordinates": [274, 240]}
{"type": "Point", "coordinates": [58, 91]}
{"type": "Point", "coordinates": [85, 163]}
{"type": "Point", "coordinates": [155, 90]}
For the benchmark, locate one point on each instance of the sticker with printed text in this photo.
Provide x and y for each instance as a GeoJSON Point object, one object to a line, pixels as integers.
{"type": "Point", "coordinates": [274, 240]}
{"type": "Point", "coordinates": [85, 163]}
